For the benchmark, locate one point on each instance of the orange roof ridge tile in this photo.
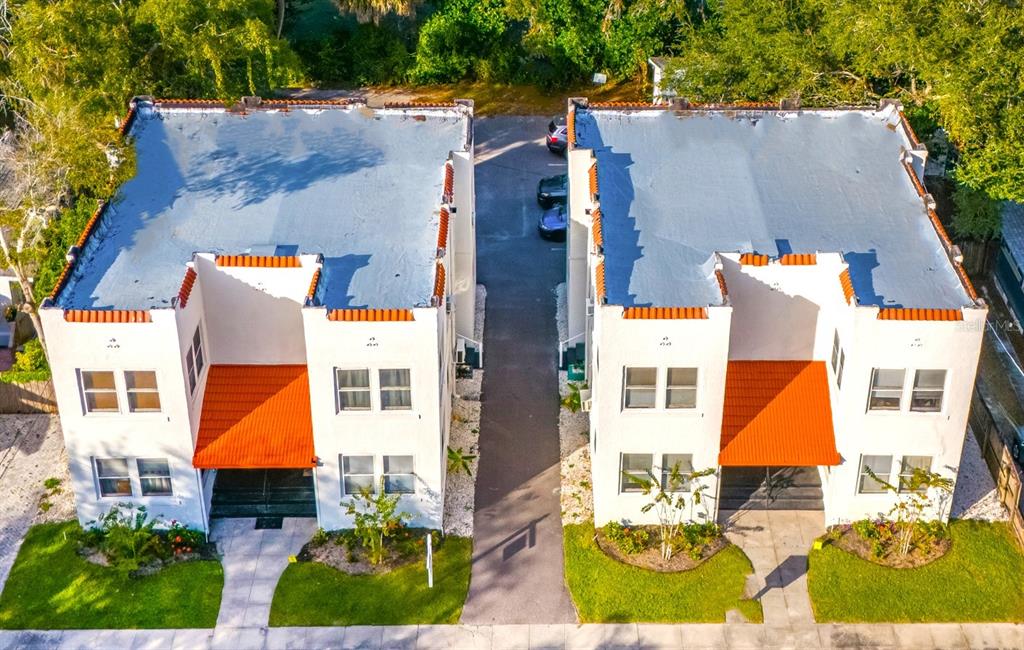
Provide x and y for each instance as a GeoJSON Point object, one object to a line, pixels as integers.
{"type": "Point", "coordinates": [106, 316]}
{"type": "Point", "coordinates": [638, 105]}
{"type": "Point", "coordinates": [312, 286]}
{"type": "Point", "coordinates": [753, 259]}
{"type": "Point", "coordinates": [263, 261]}
{"type": "Point", "coordinates": [598, 228]}
{"type": "Point", "coordinates": [129, 119]}
{"type": "Point", "coordinates": [570, 127]}
{"type": "Point", "coordinates": [65, 273]}
{"type": "Point", "coordinates": [665, 313]}
{"type": "Point", "coordinates": [439, 283]}
{"type": "Point", "coordinates": [593, 180]}
{"type": "Point", "coordinates": [364, 315]}
{"type": "Point", "coordinates": [798, 259]}
{"type": "Point", "coordinates": [846, 283]}
{"type": "Point", "coordinates": [909, 130]}
{"type": "Point", "coordinates": [901, 313]}
{"type": "Point", "coordinates": [599, 281]}
{"type": "Point", "coordinates": [442, 229]}
{"type": "Point", "coordinates": [449, 182]}
{"type": "Point", "coordinates": [394, 105]}
{"type": "Point", "coordinates": [186, 287]}
{"type": "Point", "coordinates": [721, 284]}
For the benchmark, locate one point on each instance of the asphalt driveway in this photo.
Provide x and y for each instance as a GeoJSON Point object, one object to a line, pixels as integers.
{"type": "Point", "coordinates": [517, 541]}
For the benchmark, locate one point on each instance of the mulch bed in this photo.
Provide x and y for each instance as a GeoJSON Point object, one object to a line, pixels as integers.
{"type": "Point", "coordinates": [853, 543]}
{"type": "Point", "coordinates": [651, 559]}
{"type": "Point", "coordinates": [338, 556]}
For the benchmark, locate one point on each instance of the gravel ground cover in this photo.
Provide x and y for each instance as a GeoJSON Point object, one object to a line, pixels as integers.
{"type": "Point", "coordinates": [460, 488]}
{"type": "Point", "coordinates": [975, 496]}
{"type": "Point", "coordinates": [577, 495]}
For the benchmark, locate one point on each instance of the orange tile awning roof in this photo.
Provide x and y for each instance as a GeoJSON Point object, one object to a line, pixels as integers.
{"type": "Point", "coordinates": [255, 417]}
{"type": "Point", "coordinates": [777, 413]}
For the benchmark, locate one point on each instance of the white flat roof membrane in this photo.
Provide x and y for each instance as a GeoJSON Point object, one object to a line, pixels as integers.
{"type": "Point", "coordinates": [677, 187]}
{"type": "Point", "coordinates": [361, 187]}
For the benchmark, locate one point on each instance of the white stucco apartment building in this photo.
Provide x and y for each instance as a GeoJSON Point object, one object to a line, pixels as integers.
{"type": "Point", "coordinates": [767, 293]}
{"type": "Point", "coordinates": [267, 316]}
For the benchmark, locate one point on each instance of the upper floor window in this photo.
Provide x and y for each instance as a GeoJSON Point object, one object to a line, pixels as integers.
{"type": "Point", "coordinates": [681, 388]}
{"type": "Point", "coordinates": [639, 388]}
{"type": "Point", "coordinates": [353, 389]}
{"type": "Point", "coordinates": [908, 467]}
{"type": "Point", "coordinates": [195, 360]}
{"type": "Point", "coordinates": [395, 389]}
{"type": "Point", "coordinates": [142, 391]}
{"type": "Point", "coordinates": [99, 391]}
{"type": "Point", "coordinates": [113, 477]}
{"type": "Point", "coordinates": [838, 359]}
{"type": "Point", "coordinates": [881, 467]}
{"type": "Point", "coordinates": [929, 386]}
{"type": "Point", "coordinates": [682, 466]}
{"type": "Point", "coordinates": [398, 475]}
{"type": "Point", "coordinates": [636, 468]}
{"type": "Point", "coordinates": [154, 476]}
{"type": "Point", "coordinates": [357, 474]}
{"type": "Point", "coordinates": [886, 389]}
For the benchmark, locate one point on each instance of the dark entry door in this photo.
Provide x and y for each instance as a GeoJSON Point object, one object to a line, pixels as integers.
{"type": "Point", "coordinates": [770, 488]}
{"type": "Point", "coordinates": [263, 493]}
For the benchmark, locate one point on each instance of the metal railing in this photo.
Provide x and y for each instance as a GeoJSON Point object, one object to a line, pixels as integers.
{"type": "Point", "coordinates": [563, 346]}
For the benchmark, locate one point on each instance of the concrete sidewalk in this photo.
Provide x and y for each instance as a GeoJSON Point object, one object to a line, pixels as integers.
{"type": "Point", "coordinates": [710, 637]}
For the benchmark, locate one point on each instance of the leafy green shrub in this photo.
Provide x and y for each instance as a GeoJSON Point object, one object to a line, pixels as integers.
{"type": "Point", "coordinates": [629, 540]}
{"type": "Point", "coordinates": [320, 537]}
{"type": "Point", "coordinates": [29, 365]}
{"type": "Point", "coordinates": [126, 536]}
{"type": "Point", "coordinates": [376, 519]}
{"type": "Point", "coordinates": [693, 539]}
{"type": "Point", "coordinates": [184, 540]}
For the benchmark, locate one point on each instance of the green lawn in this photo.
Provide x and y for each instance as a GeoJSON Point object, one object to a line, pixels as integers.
{"type": "Point", "coordinates": [981, 579]}
{"type": "Point", "coordinates": [607, 591]}
{"type": "Point", "coordinates": [314, 594]}
{"type": "Point", "coordinates": [52, 587]}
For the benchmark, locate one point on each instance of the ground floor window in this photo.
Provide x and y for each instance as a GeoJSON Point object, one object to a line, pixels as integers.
{"type": "Point", "coordinates": [881, 467]}
{"type": "Point", "coordinates": [635, 467]}
{"type": "Point", "coordinates": [684, 465]}
{"type": "Point", "coordinates": [126, 477]}
{"type": "Point", "coordinates": [112, 475]}
{"type": "Point", "coordinates": [357, 474]}
{"type": "Point", "coordinates": [154, 477]}
{"type": "Point", "coordinates": [908, 466]}
{"type": "Point", "coordinates": [398, 475]}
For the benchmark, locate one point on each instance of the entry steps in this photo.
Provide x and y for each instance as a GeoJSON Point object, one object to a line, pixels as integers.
{"type": "Point", "coordinates": [781, 488]}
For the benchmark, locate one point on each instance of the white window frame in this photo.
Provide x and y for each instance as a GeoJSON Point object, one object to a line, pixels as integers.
{"type": "Point", "coordinates": [629, 487]}
{"type": "Point", "coordinates": [940, 391]}
{"type": "Point", "coordinates": [381, 389]}
{"type": "Point", "coordinates": [872, 390]}
{"type": "Point", "coordinates": [842, 364]}
{"type": "Point", "coordinates": [904, 474]}
{"type": "Point", "coordinates": [372, 474]}
{"type": "Point", "coordinates": [83, 391]}
{"type": "Point", "coordinates": [681, 387]}
{"type": "Point", "coordinates": [687, 474]}
{"type": "Point", "coordinates": [143, 477]}
{"type": "Point", "coordinates": [130, 391]}
{"type": "Point", "coordinates": [195, 364]}
{"type": "Point", "coordinates": [862, 476]}
{"type": "Point", "coordinates": [126, 476]}
{"type": "Point", "coordinates": [627, 387]}
{"type": "Point", "coordinates": [338, 390]}
{"type": "Point", "coordinates": [411, 474]}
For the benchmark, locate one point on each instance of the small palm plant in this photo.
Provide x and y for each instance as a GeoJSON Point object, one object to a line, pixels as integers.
{"type": "Point", "coordinates": [669, 502]}
{"type": "Point", "coordinates": [913, 500]}
{"type": "Point", "coordinates": [573, 401]}
{"type": "Point", "coordinates": [376, 518]}
{"type": "Point", "coordinates": [460, 461]}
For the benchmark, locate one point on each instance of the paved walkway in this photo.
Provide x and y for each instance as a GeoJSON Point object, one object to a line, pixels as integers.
{"type": "Point", "coordinates": [777, 543]}
{"type": "Point", "coordinates": [1002, 636]}
{"type": "Point", "coordinates": [517, 536]}
{"type": "Point", "coordinates": [253, 561]}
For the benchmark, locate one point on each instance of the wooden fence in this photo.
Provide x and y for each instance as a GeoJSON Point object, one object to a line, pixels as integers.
{"type": "Point", "coordinates": [30, 397]}
{"type": "Point", "coordinates": [996, 451]}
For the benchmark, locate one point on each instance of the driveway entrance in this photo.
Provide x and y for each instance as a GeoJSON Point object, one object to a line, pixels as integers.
{"type": "Point", "coordinates": [263, 493]}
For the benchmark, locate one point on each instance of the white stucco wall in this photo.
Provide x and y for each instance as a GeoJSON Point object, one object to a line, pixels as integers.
{"type": "Point", "coordinates": [418, 432]}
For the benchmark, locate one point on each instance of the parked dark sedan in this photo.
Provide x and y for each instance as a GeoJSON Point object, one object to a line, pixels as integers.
{"type": "Point", "coordinates": [553, 223]}
{"type": "Point", "coordinates": [558, 135]}
{"type": "Point", "coordinates": [552, 190]}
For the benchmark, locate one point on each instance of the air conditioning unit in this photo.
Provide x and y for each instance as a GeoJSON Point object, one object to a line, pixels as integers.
{"type": "Point", "coordinates": [460, 352]}
{"type": "Point", "coordinates": [586, 404]}
{"type": "Point", "coordinates": [590, 308]}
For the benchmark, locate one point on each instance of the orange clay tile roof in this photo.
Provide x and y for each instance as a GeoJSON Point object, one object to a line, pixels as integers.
{"type": "Point", "coordinates": [721, 284]}
{"type": "Point", "coordinates": [597, 228]}
{"type": "Point", "coordinates": [449, 182]}
{"type": "Point", "coordinates": [312, 285]}
{"type": "Point", "coordinates": [420, 105]}
{"type": "Point", "coordinates": [893, 313]}
{"type": "Point", "coordinates": [846, 282]}
{"type": "Point", "coordinates": [255, 417]}
{"type": "Point", "coordinates": [186, 287]}
{"type": "Point", "coordinates": [570, 127]}
{"type": "Point", "coordinates": [664, 313]}
{"type": "Point", "coordinates": [627, 105]}
{"type": "Point", "coordinates": [798, 259]}
{"type": "Point", "coordinates": [361, 315]}
{"type": "Point", "coordinates": [777, 413]}
{"type": "Point", "coordinates": [267, 261]}
{"type": "Point", "coordinates": [909, 130]}
{"type": "Point", "coordinates": [593, 179]}
{"type": "Point", "coordinates": [442, 229]}
{"type": "Point", "coordinates": [439, 286]}
{"type": "Point", "coordinates": [751, 259]}
{"type": "Point", "coordinates": [106, 316]}
{"type": "Point", "coordinates": [599, 288]}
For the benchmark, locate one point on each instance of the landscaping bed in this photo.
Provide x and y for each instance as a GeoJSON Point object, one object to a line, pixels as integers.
{"type": "Point", "coordinates": [52, 586]}
{"type": "Point", "coordinates": [637, 546]}
{"type": "Point", "coordinates": [875, 542]}
{"type": "Point", "coordinates": [608, 591]}
{"type": "Point", "coordinates": [311, 593]}
{"type": "Point", "coordinates": [341, 550]}
{"type": "Point", "coordinates": [978, 579]}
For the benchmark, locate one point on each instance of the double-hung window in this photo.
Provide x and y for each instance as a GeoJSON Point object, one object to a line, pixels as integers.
{"type": "Point", "coordinates": [353, 389]}
{"type": "Point", "coordinates": [908, 467]}
{"type": "Point", "coordinates": [398, 475]}
{"type": "Point", "coordinates": [838, 359]}
{"type": "Point", "coordinates": [195, 359]}
{"type": "Point", "coordinates": [99, 391]}
{"type": "Point", "coordinates": [881, 467]}
{"type": "Point", "coordinates": [886, 389]}
{"type": "Point", "coordinates": [639, 388]}
{"type": "Point", "coordinates": [143, 394]}
{"type": "Point", "coordinates": [676, 471]}
{"type": "Point", "coordinates": [929, 386]}
{"type": "Point", "coordinates": [395, 390]}
{"type": "Point", "coordinates": [154, 477]}
{"type": "Point", "coordinates": [113, 477]}
{"type": "Point", "coordinates": [357, 474]}
{"type": "Point", "coordinates": [635, 467]}
{"type": "Point", "coordinates": [681, 388]}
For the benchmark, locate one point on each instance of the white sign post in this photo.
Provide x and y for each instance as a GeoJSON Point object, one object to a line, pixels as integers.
{"type": "Point", "coordinates": [430, 561]}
